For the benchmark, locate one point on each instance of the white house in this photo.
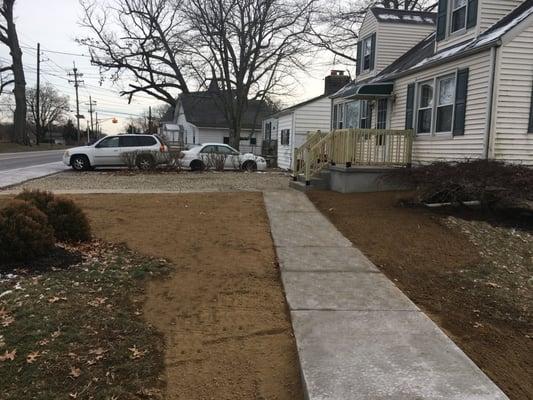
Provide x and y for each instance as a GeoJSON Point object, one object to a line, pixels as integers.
{"type": "Point", "coordinates": [464, 85]}
{"type": "Point", "coordinates": [291, 126]}
{"type": "Point", "coordinates": [198, 118]}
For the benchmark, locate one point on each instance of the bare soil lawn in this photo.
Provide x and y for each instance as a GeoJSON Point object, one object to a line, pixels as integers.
{"type": "Point", "coordinates": [223, 312]}
{"type": "Point", "coordinates": [473, 278]}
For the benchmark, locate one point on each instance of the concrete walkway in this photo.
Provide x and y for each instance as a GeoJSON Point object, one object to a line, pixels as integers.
{"type": "Point", "coordinates": [18, 175]}
{"type": "Point", "coordinates": [358, 336]}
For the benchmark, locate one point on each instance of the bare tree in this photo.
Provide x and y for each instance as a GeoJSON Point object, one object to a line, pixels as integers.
{"type": "Point", "coordinates": [53, 108]}
{"type": "Point", "coordinates": [138, 40]}
{"type": "Point", "coordinates": [9, 37]}
{"type": "Point", "coordinates": [336, 27]}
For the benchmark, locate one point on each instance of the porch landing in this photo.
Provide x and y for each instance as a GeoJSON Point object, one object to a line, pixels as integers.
{"type": "Point", "coordinates": [358, 336]}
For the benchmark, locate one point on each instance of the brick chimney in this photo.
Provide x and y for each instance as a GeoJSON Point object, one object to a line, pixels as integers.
{"type": "Point", "coordinates": [335, 81]}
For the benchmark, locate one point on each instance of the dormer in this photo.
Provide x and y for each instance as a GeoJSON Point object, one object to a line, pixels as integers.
{"type": "Point", "coordinates": [461, 20]}
{"type": "Point", "coordinates": [386, 34]}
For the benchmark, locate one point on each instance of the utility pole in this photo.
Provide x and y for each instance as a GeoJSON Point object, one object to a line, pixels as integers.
{"type": "Point", "coordinates": [76, 83]}
{"type": "Point", "coordinates": [97, 131]}
{"type": "Point", "coordinates": [91, 111]}
{"type": "Point", "coordinates": [38, 96]}
{"type": "Point", "coordinates": [150, 120]}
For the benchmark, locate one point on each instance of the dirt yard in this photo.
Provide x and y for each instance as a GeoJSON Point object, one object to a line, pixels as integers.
{"type": "Point", "coordinates": [474, 279]}
{"type": "Point", "coordinates": [223, 313]}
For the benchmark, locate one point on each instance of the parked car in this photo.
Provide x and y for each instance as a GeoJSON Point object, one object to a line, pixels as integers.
{"type": "Point", "coordinates": [150, 150]}
{"type": "Point", "coordinates": [207, 154]}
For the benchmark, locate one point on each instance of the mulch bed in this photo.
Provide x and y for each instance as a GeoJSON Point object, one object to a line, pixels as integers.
{"type": "Point", "coordinates": [473, 278]}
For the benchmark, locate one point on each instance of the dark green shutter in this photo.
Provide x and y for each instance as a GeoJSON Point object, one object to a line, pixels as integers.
{"type": "Point", "coordinates": [359, 56]}
{"type": "Point", "coordinates": [461, 94]}
{"type": "Point", "coordinates": [373, 54]}
{"type": "Point", "coordinates": [409, 112]}
{"type": "Point", "coordinates": [472, 14]}
{"type": "Point", "coordinates": [442, 18]}
{"type": "Point", "coordinates": [530, 127]}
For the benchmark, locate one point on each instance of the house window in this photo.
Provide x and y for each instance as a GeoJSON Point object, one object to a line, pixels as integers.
{"type": "Point", "coordinates": [459, 10]}
{"type": "Point", "coordinates": [253, 141]}
{"type": "Point", "coordinates": [425, 107]}
{"type": "Point", "coordinates": [367, 53]}
{"type": "Point", "coordinates": [352, 114]}
{"type": "Point", "coordinates": [445, 102]}
{"type": "Point", "coordinates": [285, 137]}
{"type": "Point", "coordinates": [268, 131]}
{"type": "Point", "coordinates": [382, 114]}
{"type": "Point", "coordinates": [225, 140]}
{"type": "Point", "coordinates": [365, 122]}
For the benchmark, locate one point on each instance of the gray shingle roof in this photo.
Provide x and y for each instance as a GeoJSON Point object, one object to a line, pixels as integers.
{"type": "Point", "coordinates": [202, 109]}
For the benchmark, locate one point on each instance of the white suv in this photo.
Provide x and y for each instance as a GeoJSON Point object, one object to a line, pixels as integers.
{"type": "Point", "coordinates": [109, 152]}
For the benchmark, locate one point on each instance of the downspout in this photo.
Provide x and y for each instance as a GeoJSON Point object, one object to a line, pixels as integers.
{"type": "Point", "coordinates": [490, 104]}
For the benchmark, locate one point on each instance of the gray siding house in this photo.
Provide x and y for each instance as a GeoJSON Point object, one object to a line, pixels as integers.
{"type": "Point", "coordinates": [461, 79]}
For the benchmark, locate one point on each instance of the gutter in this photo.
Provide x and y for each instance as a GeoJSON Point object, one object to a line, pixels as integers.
{"type": "Point", "coordinates": [490, 103]}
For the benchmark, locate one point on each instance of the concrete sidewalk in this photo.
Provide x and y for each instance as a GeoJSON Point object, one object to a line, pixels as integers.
{"type": "Point", "coordinates": [18, 175]}
{"type": "Point", "coordinates": [358, 335]}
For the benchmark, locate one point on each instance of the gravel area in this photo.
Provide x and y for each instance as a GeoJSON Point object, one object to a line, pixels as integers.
{"type": "Point", "coordinates": [184, 182]}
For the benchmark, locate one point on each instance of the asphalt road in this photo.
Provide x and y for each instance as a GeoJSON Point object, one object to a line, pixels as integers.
{"type": "Point", "coordinates": [9, 161]}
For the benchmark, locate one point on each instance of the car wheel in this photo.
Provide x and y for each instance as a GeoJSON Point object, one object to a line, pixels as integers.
{"type": "Point", "coordinates": [145, 162]}
{"type": "Point", "coordinates": [197, 165]}
{"type": "Point", "coordinates": [80, 163]}
{"type": "Point", "coordinates": [250, 166]}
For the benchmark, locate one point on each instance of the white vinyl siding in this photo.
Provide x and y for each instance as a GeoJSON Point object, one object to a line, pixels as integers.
{"type": "Point", "coordinates": [511, 141]}
{"type": "Point", "coordinates": [285, 151]}
{"type": "Point", "coordinates": [368, 27]}
{"type": "Point", "coordinates": [446, 147]}
{"type": "Point", "coordinates": [492, 11]}
{"type": "Point", "coordinates": [394, 40]}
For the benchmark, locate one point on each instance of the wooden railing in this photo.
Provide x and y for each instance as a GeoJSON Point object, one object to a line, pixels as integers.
{"type": "Point", "coordinates": [352, 147]}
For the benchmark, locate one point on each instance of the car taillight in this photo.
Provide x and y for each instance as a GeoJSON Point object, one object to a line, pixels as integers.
{"type": "Point", "coordinates": [163, 148]}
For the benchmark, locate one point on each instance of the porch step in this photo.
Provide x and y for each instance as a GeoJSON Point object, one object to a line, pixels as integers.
{"type": "Point", "coordinates": [320, 182]}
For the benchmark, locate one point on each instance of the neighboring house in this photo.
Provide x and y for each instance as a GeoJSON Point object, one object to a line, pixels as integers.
{"type": "Point", "coordinates": [169, 129]}
{"type": "Point", "coordinates": [198, 118]}
{"type": "Point", "coordinates": [291, 126]}
{"type": "Point", "coordinates": [463, 84]}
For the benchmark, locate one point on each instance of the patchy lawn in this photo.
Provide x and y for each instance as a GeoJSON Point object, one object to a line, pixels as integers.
{"type": "Point", "coordinates": [18, 148]}
{"type": "Point", "coordinates": [473, 278]}
{"type": "Point", "coordinates": [221, 312]}
{"type": "Point", "coordinates": [78, 332]}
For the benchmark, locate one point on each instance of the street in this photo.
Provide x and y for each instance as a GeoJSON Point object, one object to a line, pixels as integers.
{"type": "Point", "coordinates": [19, 167]}
{"type": "Point", "coordinates": [9, 161]}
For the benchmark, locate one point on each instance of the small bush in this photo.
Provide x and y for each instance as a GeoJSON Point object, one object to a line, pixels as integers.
{"type": "Point", "coordinates": [216, 161]}
{"type": "Point", "coordinates": [493, 183]}
{"type": "Point", "coordinates": [25, 233]}
{"type": "Point", "coordinates": [69, 222]}
{"type": "Point", "coordinates": [130, 159]}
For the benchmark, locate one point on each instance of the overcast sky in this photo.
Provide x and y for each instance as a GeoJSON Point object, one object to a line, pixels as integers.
{"type": "Point", "coordinates": [55, 24]}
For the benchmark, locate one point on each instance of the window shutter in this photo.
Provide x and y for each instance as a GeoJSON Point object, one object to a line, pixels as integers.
{"type": "Point", "coordinates": [472, 14]}
{"type": "Point", "coordinates": [530, 128]}
{"type": "Point", "coordinates": [410, 106]}
{"type": "Point", "coordinates": [359, 56]}
{"type": "Point", "coordinates": [442, 17]}
{"type": "Point", "coordinates": [461, 93]}
{"type": "Point", "coordinates": [373, 54]}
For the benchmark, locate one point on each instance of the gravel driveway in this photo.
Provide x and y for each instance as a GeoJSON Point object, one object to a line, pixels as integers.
{"type": "Point", "coordinates": [184, 182]}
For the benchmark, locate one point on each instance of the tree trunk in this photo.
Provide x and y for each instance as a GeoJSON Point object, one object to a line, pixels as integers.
{"type": "Point", "coordinates": [21, 135]}
{"type": "Point", "coordinates": [235, 138]}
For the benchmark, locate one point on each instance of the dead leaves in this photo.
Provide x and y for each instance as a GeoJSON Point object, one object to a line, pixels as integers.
{"type": "Point", "coordinates": [74, 372]}
{"type": "Point", "coordinates": [5, 318]}
{"type": "Point", "coordinates": [137, 353]}
{"type": "Point", "coordinates": [55, 299]}
{"type": "Point", "coordinates": [97, 302]}
{"type": "Point", "coordinates": [32, 357]}
{"type": "Point", "coordinates": [8, 355]}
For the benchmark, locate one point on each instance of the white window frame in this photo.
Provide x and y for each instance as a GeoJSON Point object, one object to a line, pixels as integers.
{"type": "Point", "coordinates": [365, 40]}
{"type": "Point", "coordinates": [363, 111]}
{"type": "Point", "coordinates": [450, 18]}
{"type": "Point", "coordinates": [436, 101]}
{"type": "Point", "coordinates": [435, 81]}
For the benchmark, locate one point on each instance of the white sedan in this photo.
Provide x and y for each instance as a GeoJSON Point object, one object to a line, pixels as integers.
{"type": "Point", "coordinates": [220, 156]}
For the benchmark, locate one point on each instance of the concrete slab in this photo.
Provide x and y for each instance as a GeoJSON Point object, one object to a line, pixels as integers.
{"type": "Point", "coordinates": [305, 229]}
{"type": "Point", "coordinates": [343, 291]}
{"type": "Point", "coordinates": [19, 175]}
{"type": "Point", "coordinates": [396, 355]}
{"type": "Point", "coordinates": [323, 259]}
{"type": "Point", "coordinates": [287, 201]}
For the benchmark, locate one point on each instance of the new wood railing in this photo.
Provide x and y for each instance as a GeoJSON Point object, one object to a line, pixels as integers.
{"type": "Point", "coordinates": [353, 147]}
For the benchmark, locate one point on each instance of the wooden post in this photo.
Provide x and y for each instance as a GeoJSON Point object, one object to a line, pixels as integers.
{"type": "Point", "coordinates": [307, 167]}
{"type": "Point", "coordinates": [295, 164]}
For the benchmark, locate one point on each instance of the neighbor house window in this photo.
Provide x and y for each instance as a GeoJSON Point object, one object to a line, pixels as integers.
{"type": "Point", "coordinates": [425, 107]}
{"type": "Point", "coordinates": [445, 102]}
{"type": "Point", "coordinates": [364, 121]}
{"type": "Point", "coordinates": [352, 114]}
{"type": "Point", "coordinates": [285, 137]}
{"type": "Point", "coordinates": [459, 10]}
{"type": "Point", "coordinates": [382, 114]}
{"type": "Point", "coordinates": [367, 53]}
{"type": "Point", "coordinates": [268, 131]}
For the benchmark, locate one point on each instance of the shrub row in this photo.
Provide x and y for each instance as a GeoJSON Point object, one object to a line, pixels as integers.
{"type": "Point", "coordinates": [30, 225]}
